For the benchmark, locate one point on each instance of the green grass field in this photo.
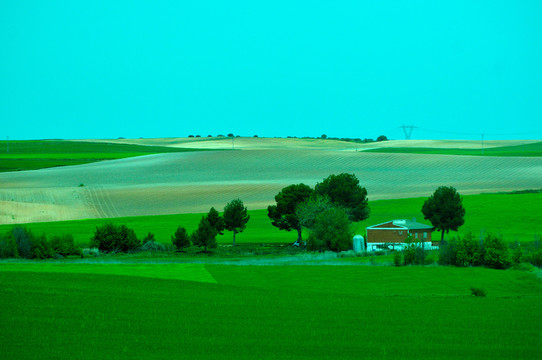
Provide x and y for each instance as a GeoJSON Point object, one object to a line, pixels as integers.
{"type": "Point", "coordinates": [529, 150]}
{"type": "Point", "coordinates": [514, 216]}
{"type": "Point", "coordinates": [40, 154]}
{"type": "Point", "coordinates": [279, 312]}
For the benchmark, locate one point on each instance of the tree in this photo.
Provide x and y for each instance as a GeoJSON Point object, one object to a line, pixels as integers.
{"type": "Point", "coordinates": [381, 138]}
{"type": "Point", "coordinates": [110, 237]}
{"type": "Point", "coordinates": [308, 211]}
{"type": "Point", "coordinates": [444, 210]}
{"type": "Point", "coordinates": [344, 191]}
{"type": "Point", "coordinates": [8, 246]}
{"type": "Point", "coordinates": [235, 217]}
{"type": "Point", "coordinates": [127, 239]}
{"type": "Point", "coordinates": [41, 248]}
{"type": "Point", "coordinates": [181, 239]}
{"type": "Point", "coordinates": [64, 245]}
{"type": "Point", "coordinates": [331, 231]}
{"type": "Point", "coordinates": [204, 235]}
{"type": "Point", "coordinates": [283, 215]}
{"type": "Point", "coordinates": [216, 221]}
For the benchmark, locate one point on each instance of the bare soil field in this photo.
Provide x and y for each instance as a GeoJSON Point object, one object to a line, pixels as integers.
{"type": "Point", "coordinates": [193, 182]}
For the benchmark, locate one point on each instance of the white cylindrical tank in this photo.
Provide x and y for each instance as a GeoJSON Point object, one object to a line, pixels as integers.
{"type": "Point", "coordinates": [358, 243]}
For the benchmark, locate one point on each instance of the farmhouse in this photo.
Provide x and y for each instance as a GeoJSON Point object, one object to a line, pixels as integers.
{"type": "Point", "coordinates": [392, 235]}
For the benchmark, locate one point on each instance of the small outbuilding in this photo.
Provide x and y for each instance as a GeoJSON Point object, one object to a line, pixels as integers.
{"type": "Point", "coordinates": [392, 235]}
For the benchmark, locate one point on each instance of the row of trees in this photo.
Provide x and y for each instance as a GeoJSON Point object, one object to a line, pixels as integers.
{"type": "Point", "coordinates": [22, 243]}
{"type": "Point", "coordinates": [120, 238]}
{"type": "Point", "coordinates": [327, 211]}
{"type": "Point", "coordinates": [234, 219]}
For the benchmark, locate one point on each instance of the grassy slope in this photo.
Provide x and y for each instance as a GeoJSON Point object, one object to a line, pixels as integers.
{"type": "Point", "coordinates": [273, 312]}
{"type": "Point", "coordinates": [39, 154]}
{"type": "Point", "coordinates": [513, 216]}
{"type": "Point", "coordinates": [530, 150]}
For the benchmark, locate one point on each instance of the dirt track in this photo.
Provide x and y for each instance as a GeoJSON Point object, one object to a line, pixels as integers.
{"type": "Point", "coordinates": [195, 181]}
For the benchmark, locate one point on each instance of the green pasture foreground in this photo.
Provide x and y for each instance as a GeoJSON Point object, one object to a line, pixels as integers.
{"type": "Point", "coordinates": [191, 272]}
{"type": "Point", "coordinates": [530, 150]}
{"type": "Point", "coordinates": [40, 154]}
{"type": "Point", "coordinates": [514, 216]}
{"type": "Point", "coordinates": [278, 312]}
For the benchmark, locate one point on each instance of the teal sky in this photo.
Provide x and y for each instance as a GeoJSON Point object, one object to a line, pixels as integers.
{"type": "Point", "coordinates": [107, 69]}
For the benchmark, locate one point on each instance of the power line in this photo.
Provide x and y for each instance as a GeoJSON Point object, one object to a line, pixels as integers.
{"type": "Point", "coordinates": [478, 133]}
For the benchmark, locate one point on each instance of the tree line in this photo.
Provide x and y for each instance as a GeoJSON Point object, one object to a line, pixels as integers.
{"type": "Point", "coordinates": [112, 238]}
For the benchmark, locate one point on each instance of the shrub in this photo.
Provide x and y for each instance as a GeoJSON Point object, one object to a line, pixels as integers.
{"type": "Point", "coordinates": [110, 237]}
{"type": "Point", "coordinates": [8, 246]}
{"type": "Point", "coordinates": [469, 252]}
{"type": "Point", "coordinates": [64, 245]}
{"type": "Point", "coordinates": [41, 248]}
{"type": "Point", "coordinates": [448, 252]}
{"type": "Point", "coordinates": [181, 239]}
{"type": "Point", "coordinates": [413, 254]}
{"type": "Point", "coordinates": [534, 253]}
{"type": "Point", "coordinates": [397, 258]}
{"type": "Point", "coordinates": [91, 252]}
{"type": "Point", "coordinates": [148, 237]}
{"type": "Point", "coordinates": [516, 253]}
{"type": "Point", "coordinates": [478, 292]}
{"type": "Point", "coordinates": [151, 245]}
{"type": "Point", "coordinates": [409, 252]}
{"type": "Point", "coordinates": [496, 252]}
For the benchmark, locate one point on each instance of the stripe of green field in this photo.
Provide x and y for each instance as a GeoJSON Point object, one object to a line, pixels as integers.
{"type": "Point", "coordinates": [514, 216]}
{"type": "Point", "coordinates": [526, 150]}
{"type": "Point", "coordinates": [188, 272]}
{"type": "Point", "coordinates": [41, 154]}
{"type": "Point", "coordinates": [272, 313]}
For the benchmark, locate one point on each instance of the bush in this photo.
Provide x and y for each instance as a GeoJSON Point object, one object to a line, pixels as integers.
{"type": "Point", "coordinates": [469, 252]}
{"type": "Point", "coordinates": [478, 292]}
{"type": "Point", "coordinates": [516, 254]}
{"type": "Point", "coordinates": [496, 254]}
{"type": "Point", "coordinates": [413, 254]}
{"type": "Point", "coordinates": [91, 252]}
{"type": "Point", "coordinates": [331, 231]}
{"type": "Point", "coordinates": [41, 248]}
{"type": "Point", "coordinates": [64, 245]}
{"type": "Point", "coordinates": [149, 237]}
{"type": "Point", "coordinates": [409, 252]}
{"type": "Point", "coordinates": [110, 237]}
{"type": "Point", "coordinates": [448, 252]}
{"type": "Point", "coordinates": [534, 253]}
{"type": "Point", "coordinates": [397, 258]}
{"type": "Point", "coordinates": [151, 245]}
{"type": "Point", "coordinates": [8, 246]}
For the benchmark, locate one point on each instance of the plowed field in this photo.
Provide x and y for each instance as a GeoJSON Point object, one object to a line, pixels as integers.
{"type": "Point", "coordinates": [195, 181]}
